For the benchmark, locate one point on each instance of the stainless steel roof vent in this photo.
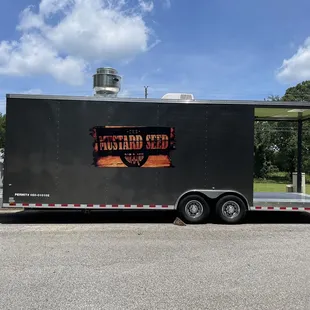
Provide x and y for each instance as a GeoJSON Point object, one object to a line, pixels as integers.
{"type": "Point", "coordinates": [107, 82]}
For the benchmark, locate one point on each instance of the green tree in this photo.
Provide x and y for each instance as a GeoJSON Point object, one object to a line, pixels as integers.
{"type": "Point", "coordinates": [273, 98]}
{"type": "Point", "coordinates": [263, 149]}
{"type": "Point", "coordinates": [2, 130]}
{"type": "Point", "coordinates": [264, 146]}
{"type": "Point", "coordinates": [286, 140]}
{"type": "Point", "coordinates": [300, 92]}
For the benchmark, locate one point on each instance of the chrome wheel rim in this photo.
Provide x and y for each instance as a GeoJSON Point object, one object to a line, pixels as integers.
{"type": "Point", "coordinates": [231, 209]}
{"type": "Point", "coordinates": [194, 208]}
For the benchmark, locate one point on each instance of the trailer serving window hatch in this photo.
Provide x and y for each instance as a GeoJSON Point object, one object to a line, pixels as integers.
{"type": "Point", "coordinates": [191, 156]}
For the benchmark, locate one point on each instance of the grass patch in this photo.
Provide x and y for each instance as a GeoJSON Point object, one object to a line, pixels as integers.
{"type": "Point", "coordinates": [273, 187]}
{"type": "Point", "coordinates": [276, 182]}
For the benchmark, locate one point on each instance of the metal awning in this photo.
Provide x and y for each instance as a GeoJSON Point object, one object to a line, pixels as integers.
{"type": "Point", "coordinates": [281, 113]}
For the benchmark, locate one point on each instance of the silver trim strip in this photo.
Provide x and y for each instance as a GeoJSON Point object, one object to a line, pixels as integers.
{"type": "Point", "coordinates": [278, 208]}
{"type": "Point", "coordinates": [88, 206]}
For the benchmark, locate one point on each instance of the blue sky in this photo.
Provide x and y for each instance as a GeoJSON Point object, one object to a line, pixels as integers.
{"type": "Point", "coordinates": [215, 49]}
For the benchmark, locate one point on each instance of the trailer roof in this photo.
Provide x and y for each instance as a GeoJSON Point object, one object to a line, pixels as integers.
{"type": "Point", "coordinates": [264, 110]}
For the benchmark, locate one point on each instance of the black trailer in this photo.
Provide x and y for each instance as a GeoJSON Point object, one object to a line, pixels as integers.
{"type": "Point", "coordinates": [192, 156]}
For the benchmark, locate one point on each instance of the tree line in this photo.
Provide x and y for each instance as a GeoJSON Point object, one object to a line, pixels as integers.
{"type": "Point", "coordinates": [2, 130]}
{"type": "Point", "coordinates": [275, 143]}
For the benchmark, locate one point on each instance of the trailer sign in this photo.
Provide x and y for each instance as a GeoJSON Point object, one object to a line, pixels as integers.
{"type": "Point", "coordinates": [117, 146]}
{"type": "Point", "coordinates": [31, 195]}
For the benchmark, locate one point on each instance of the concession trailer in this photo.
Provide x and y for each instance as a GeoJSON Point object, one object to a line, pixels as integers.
{"type": "Point", "coordinates": [109, 153]}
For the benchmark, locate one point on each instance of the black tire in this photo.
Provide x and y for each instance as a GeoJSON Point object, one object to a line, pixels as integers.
{"type": "Point", "coordinates": [231, 216]}
{"type": "Point", "coordinates": [194, 203]}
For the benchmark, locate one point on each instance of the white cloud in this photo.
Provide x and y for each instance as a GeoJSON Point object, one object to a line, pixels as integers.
{"type": "Point", "coordinates": [296, 68]}
{"type": "Point", "coordinates": [87, 32]}
{"type": "Point", "coordinates": [49, 7]}
{"type": "Point", "coordinates": [33, 55]}
{"type": "Point", "coordinates": [146, 6]}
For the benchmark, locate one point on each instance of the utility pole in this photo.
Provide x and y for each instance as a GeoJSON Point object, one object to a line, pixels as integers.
{"type": "Point", "coordinates": [145, 91]}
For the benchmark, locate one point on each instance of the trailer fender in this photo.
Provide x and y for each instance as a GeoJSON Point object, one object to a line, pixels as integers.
{"type": "Point", "coordinates": [212, 195]}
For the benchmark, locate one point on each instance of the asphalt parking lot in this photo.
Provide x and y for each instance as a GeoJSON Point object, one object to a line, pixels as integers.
{"type": "Point", "coordinates": [110, 260]}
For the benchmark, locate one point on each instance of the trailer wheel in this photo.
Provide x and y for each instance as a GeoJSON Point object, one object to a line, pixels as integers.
{"type": "Point", "coordinates": [231, 209]}
{"type": "Point", "coordinates": [194, 209]}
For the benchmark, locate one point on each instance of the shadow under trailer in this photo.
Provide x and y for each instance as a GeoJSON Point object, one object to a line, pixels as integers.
{"type": "Point", "coordinates": [191, 156]}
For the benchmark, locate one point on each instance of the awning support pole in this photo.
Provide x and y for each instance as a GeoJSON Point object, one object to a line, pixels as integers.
{"type": "Point", "coordinates": [299, 155]}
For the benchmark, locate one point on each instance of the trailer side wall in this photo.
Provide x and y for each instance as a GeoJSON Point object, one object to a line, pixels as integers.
{"type": "Point", "coordinates": [50, 151]}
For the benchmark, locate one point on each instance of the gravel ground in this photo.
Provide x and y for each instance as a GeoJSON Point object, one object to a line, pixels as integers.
{"type": "Point", "coordinates": [114, 261]}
